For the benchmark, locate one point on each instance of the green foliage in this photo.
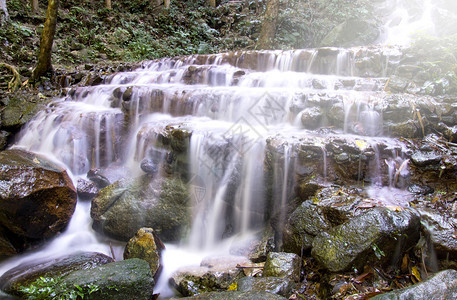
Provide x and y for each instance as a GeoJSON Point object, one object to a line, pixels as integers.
{"type": "Point", "coordinates": [50, 288]}
{"type": "Point", "coordinates": [438, 59]}
{"type": "Point", "coordinates": [303, 23]}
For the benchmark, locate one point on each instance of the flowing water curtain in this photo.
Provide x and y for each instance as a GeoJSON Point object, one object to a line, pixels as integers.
{"type": "Point", "coordinates": [5, 16]}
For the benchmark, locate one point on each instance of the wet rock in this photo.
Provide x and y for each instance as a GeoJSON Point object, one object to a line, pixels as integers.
{"type": "Point", "coordinates": [302, 226]}
{"type": "Point", "coordinates": [37, 198]}
{"type": "Point", "coordinates": [311, 117]}
{"type": "Point", "coordinates": [18, 111]}
{"type": "Point", "coordinates": [427, 160]}
{"type": "Point", "coordinates": [230, 295]}
{"type": "Point", "coordinates": [87, 190]}
{"type": "Point", "coordinates": [26, 274]}
{"type": "Point", "coordinates": [350, 33]}
{"type": "Point", "coordinates": [407, 129]}
{"type": "Point", "coordinates": [337, 204]}
{"type": "Point", "coordinates": [397, 84]}
{"type": "Point", "coordinates": [127, 95]}
{"type": "Point", "coordinates": [4, 139]}
{"type": "Point", "coordinates": [143, 245]}
{"type": "Point", "coordinates": [6, 248]}
{"type": "Point", "coordinates": [283, 265]}
{"type": "Point", "coordinates": [257, 248]}
{"type": "Point", "coordinates": [214, 274]}
{"type": "Point", "coordinates": [117, 280]}
{"type": "Point", "coordinates": [442, 285]}
{"type": "Point", "coordinates": [308, 188]}
{"type": "Point", "coordinates": [149, 166]}
{"type": "Point", "coordinates": [441, 231]}
{"type": "Point", "coordinates": [122, 208]}
{"type": "Point", "coordinates": [5, 296]}
{"type": "Point", "coordinates": [336, 114]}
{"type": "Point", "coordinates": [375, 236]}
{"type": "Point", "coordinates": [418, 189]}
{"type": "Point", "coordinates": [274, 285]}
{"type": "Point", "coordinates": [98, 178]}
{"type": "Point", "coordinates": [92, 79]}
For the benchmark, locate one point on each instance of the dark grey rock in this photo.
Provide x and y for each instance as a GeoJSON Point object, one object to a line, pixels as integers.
{"type": "Point", "coordinates": [124, 207]}
{"type": "Point", "coordinates": [117, 280]}
{"type": "Point", "coordinates": [303, 225]}
{"type": "Point", "coordinates": [283, 265]}
{"type": "Point", "coordinates": [27, 273]}
{"type": "Point", "coordinates": [378, 235]}
{"type": "Point", "coordinates": [442, 285]}
{"type": "Point", "coordinates": [274, 285]}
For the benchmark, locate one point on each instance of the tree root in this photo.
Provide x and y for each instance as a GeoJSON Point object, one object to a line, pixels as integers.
{"type": "Point", "coordinates": [16, 82]}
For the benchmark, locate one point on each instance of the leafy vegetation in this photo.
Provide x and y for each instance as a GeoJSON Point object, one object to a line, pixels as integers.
{"type": "Point", "coordinates": [50, 288]}
{"type": "Point", "coordinates": [438, 59]}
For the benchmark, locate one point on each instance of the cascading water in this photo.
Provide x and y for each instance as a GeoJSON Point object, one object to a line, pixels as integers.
{"type": "Point", "coordinates": [235, 106]}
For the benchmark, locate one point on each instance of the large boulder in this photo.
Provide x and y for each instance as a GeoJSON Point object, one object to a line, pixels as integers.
{"type": "Point", "coordinates": [117, 280]}
{"type": "Point", "coordinates": [302, 226]}
{"type": "Point", "coordinates": [144, 246]}
{"type": "Point", "coordinates": [440, 229]}
{"type": "Point", "coordinates": [20, 109]}
{"type": "Point", "coordinates": [375, 236]}
{"type": "Point", "coordinates": [442, 285]}
{"type": "Point", "coordinates": [121, 209]}
{"type": "Point", "coordinates": [26, 274]}
{"type": "Point", "coordinates": [37, 199]}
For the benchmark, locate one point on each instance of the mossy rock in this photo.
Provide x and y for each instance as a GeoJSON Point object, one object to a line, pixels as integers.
{"type": "Point", "coordinates": [143, 246]}
{"type": "Point", "coordinates": [20, 109]}
{"type": "Point", "coordinates": [274, 285]}
{"type": "Point", "coordinates": [118, 280]}
{"type": "Point", "coordinates": [377, 236]}
{"type": "Point", "coordinates": [26, 274]}
{"type": "Point", "coordinates": [302, 226]}
{"type": "Point", "coordinates": [124, 207]}
{"type": "Point", "coordinates": [283, 265]}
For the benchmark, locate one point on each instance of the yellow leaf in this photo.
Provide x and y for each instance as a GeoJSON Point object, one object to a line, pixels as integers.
{"type": "Point", "coordinates": [233, 287]}
{"type": "Point", "coordinates": [361, 144]}
{"type": "Point", "coordinates": [416, 273]}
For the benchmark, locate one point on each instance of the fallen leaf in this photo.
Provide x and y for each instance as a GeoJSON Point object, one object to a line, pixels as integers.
{"type": "Point", "coordinates": [405, 263]}
{"type": "Point", "coordinates": [361, 144]}
{"type": "Point", "coordinates": [416, 273]}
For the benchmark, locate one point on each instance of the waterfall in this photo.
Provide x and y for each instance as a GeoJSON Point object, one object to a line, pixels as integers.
{"type": "Point", "coordinates": [245, 110]}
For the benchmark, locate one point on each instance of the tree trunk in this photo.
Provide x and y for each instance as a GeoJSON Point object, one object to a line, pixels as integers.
{"type": "Point", "coordinates": [4, 12]}
{"type": "Point", "coordinates": [34, 6]}
{"type": "Point", "coordinates": [108, 4]}
{"type": "Point", "coordinates": [167, 4]}
{"type": "Point", "coordinates": [212, 3]}
{"type": "Point", "coordinates": [44, 65]}
{"type": "Point", "coordinates": [268, 30]}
